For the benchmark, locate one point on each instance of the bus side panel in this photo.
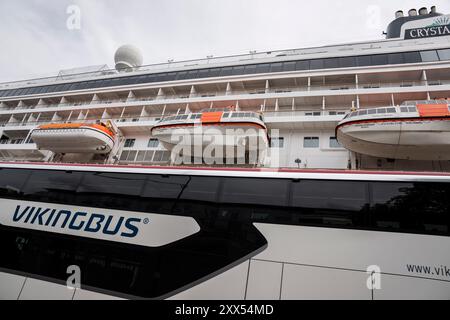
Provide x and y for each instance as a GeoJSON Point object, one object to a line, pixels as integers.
{"type": "Point", "coordinates": [323, 263]}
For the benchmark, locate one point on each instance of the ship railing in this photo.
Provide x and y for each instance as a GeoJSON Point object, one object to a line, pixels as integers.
{"type": "Point", "coordinates": [173, 116]}
{"type": "Point", "coordinates": [87, 121]}
{"type": "Point", "coordinates": [15, 142]}
{"type": "Point", "coordinates": [209, 94]}
{"type": "Point", "coordinates": [304, 113]}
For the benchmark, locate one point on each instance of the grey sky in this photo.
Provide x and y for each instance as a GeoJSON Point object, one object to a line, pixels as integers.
{"type": "Point", "coordinates": [36, 40]}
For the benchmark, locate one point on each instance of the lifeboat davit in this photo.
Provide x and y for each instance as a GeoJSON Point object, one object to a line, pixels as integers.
{"type": "Point", "coordinates": [75, 137]}
{"type": "Point", "coordinates": [415, 130]}
{"type": "Point", "coordinates": [223, 127]}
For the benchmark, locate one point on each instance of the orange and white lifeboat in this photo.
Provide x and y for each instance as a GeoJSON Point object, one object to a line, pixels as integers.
{"type": "Point", "coordinates": [75, 137]}
{"type": "Point", "coordinates": [221, 127]}
{"type": "Point", "coordinates": [415, 130]}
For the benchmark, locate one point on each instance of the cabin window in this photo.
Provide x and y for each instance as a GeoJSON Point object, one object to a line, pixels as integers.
{"type": "Point", "coordinates": [444, 54]}
{"type": "Point", "coordinates": [381, 110]}
{"type": "Point", "coordinates": [289, 66]}
{"type": "Point", "coordinates": [276, 67]}
{"type": "Point", "coordinates": [153, 143]}
{"type": "Point", "coordinates": [215, 72]}
{"type": "Point", "coordinates": [238, 70]}
{"type": "Point", "coordinates": [412, 57]}
{"type": "Point", "coordinates": [182, 75]}
{"type": "Point", "coordinates": [192, 74]}
{"type": "Point", "coordinates": [277, 142]}
{"type": "Point", "coordinates": [203, 73]}
{"type": "Point", "coordinates": [334, 143]}
{"type": "Point", "coordinates": [395, 58]}
{"type": "Point", "coordinates": [346, 62]}
{"type": "Point", "coordinates": [317, 64]}
{"type": "Point", "coordinates": [226, 71]}
{"type": "Point", "coordinates": [263, 68]}
{"type": "Point", "coordinates": [379, 59]}
{"type": "Point", "coordinates": [129, 143]}
{"type": "Point", "coordinates": [310, 142]}
{"type": "Point", "coordinates": [363, 61]}
{"type": "Point", "coordinates": [428, 56]}
{"type": "Point", "coordinates": [302, 65]}
{"type": "Point", "coordinates": [331, 63]}
{"type": "Point", "coordinates": [250, 69]}
{"type": "Point", "coordinates": [372, 111]}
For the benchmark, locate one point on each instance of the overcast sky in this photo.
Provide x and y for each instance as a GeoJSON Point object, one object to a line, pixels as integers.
{"type": "Point", "coordinates": [36, 41]}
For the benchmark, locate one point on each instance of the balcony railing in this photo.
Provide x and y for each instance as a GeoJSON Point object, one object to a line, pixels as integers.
{"type": "Point", "coordinates": [223, 93]}
{"type": "Point", "coordinates": [155, 118]}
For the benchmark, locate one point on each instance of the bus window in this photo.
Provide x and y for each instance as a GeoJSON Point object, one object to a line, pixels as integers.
{"type": "Point", "coordinates": [160, 192]}
{"type": "Point", "coordinates": [411, 207]}
{"type": "Point", "coordinates": [256, 191]}
{"type": "Point", "coordinates": [199, 199]}
{"type": "Point", "coordinates": [110, 190]}
{"type": "Point", "coordinates": [54, 186]}
{"type": "Point", "coordinates": [12, 181]}
{"type": "Point", "coordinates": [204, 189]}
{"type": "Point", "coordinates": [330, 203]}
{"type": "Point", "coordinates": [255, 200]}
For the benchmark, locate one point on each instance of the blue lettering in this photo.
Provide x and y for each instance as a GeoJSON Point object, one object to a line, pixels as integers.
{"type": "Point", "coordinates": [50, 217]}
{"type": "Point", "coordinates": [17, 216]}
{"type": "Point", "coordinates": [72, 222]}
{"type": "Point", "coordinates": [116, 229]}
{"type": "Point", "coordinates": [98, 223]}
{"type": "Point", "coordinates": [38, 216]}
{"type": "Point", "coordinates": [61, 212]}
{"type": "Point", "coordinates": [113, 225]}
{"type": "Point", "coordinates": [29, 214]}
{"type": "Point", "coordinates": [134, 229]}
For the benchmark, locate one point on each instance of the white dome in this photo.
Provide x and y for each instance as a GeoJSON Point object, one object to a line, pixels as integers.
{"type": "Point", "coordinates": [128, 57]}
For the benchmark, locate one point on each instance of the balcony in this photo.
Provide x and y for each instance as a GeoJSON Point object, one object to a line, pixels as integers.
{"type": "Point", "coordinates": [233, 95]}
{"type": "Point", "coordinates": [16, 150]}
{"type": "Point", "coordinates": [322, 119]}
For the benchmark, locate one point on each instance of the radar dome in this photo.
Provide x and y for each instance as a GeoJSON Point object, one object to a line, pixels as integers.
{"type": "Point", "coordinates": [128, 58]}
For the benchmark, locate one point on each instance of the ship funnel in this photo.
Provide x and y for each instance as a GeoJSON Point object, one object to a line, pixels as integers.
{"type": "Point", "coordinates": [423, 11]}
{"type": "Point", "coordinates": [399, 14]}
{"type": "Point", "coordinates": [412, 12]}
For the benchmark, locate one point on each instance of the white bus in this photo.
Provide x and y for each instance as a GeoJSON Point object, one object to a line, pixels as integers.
{"type": "Point", "coordinates": [185, 233]}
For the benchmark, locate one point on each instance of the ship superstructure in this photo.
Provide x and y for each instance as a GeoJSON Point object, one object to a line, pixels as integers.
{"type": "Point", "coordinates": [298, 95]}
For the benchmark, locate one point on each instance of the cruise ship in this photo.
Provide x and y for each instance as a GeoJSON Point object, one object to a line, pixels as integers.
{"type": "Point", "coordinates": [313, 173]}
